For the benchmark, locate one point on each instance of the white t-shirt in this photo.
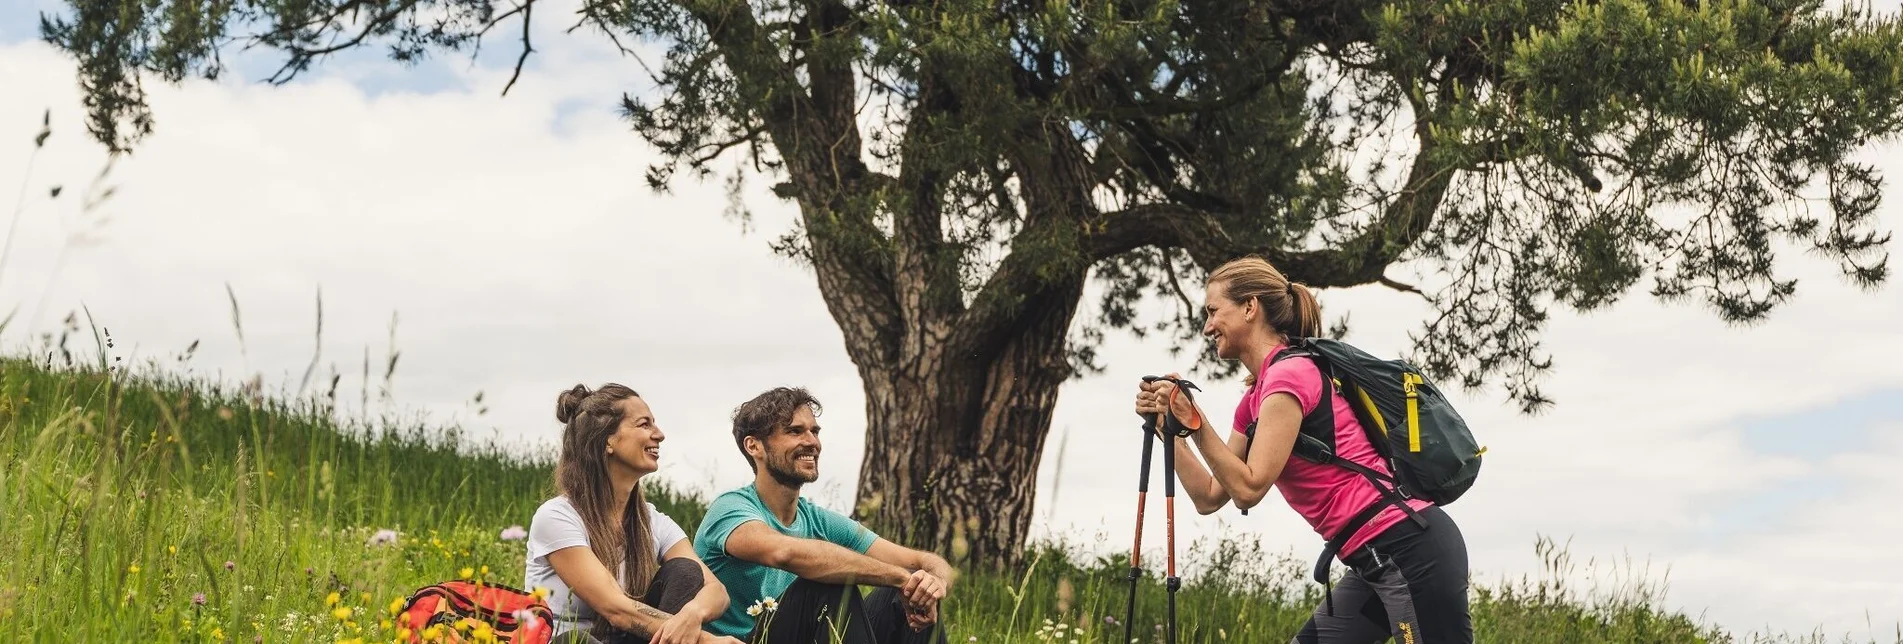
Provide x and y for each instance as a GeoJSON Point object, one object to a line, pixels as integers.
{"type": "Point", "coordinates": [557, 525]}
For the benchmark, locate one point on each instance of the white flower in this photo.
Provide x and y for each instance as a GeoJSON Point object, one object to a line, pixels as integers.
{"type": "Point", "coordinates": [754, 610]}
{"type": "Point", "coordinates": [770, 604]}
{"type": "Point", "coordinates": [514, 533]}
{"type": "Point", "coordinates": [381, 537]}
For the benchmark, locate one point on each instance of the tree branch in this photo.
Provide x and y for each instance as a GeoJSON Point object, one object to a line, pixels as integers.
{"type": "Point", "coordinates": [528, 9]}
{"type": "Point", "coordinates": [1356, 261]}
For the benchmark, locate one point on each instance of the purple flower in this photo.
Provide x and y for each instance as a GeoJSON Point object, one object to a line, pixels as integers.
{"type": "Point", "coordinates": [198, 599]}
{"type": "Point", "coordinates": [1110, 620]}
{"type": "Point", "coordinates": [230, 565]}
{"type": "Point", "coordinates": [514, 533]}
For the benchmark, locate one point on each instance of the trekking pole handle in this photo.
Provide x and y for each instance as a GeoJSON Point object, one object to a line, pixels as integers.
{"type": "Point", "coordinates": [1171, 424]}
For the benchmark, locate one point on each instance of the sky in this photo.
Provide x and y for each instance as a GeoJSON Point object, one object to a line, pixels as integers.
{"type": "Point", "coordinates": [515, 246]}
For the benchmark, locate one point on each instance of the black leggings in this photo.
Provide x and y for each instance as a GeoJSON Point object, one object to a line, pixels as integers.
{"type": "Point", "coordinates": [1409, 584]}
{"type": "Point", "coordinates": [675, 584]}
{"type": "Point", "coordinates": [808, 613]}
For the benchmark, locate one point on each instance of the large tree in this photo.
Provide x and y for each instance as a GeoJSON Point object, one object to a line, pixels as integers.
{"type": "Point", "coordinates": [962, 168]}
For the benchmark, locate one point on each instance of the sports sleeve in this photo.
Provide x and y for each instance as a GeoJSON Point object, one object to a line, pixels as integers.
{"type": "Point", "coordinates": [1297, 377]}
{"type": "Point", "coordinates": [723, 516]}
{"type": "Point", "coordinates": [842, 530]}
{"type": "Point", "coordinates": [665, 530]}
{"type": "Point", "coordinates": [555, 526]}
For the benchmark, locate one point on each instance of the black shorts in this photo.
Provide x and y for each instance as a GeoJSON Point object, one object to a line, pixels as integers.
{"type": "Point", "coordinates": [1409, 584]}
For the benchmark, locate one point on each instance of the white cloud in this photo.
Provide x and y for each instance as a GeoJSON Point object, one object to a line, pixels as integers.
{"type": "Point", "coordinates": [524, 253]}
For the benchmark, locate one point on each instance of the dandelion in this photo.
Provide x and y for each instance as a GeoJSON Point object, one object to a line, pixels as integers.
{"type": "Point", "coordinates": [396, 606]}
{"type": "Point", "coordinates": [332, 599]}
{"type": "Point", "coordinates": [381, 537]}
{"type": "Point", "coordinates": [342, 613]}
{"type": "Point", "coordinates": [514, 533]}
{"type": "Point", "coordinates": [171, 550]}
{"type": "Point", "coordinates": [538, 593]}
{"type": "Point", "coordinates": [468, 572]}
{"type": "Point", "coordinates": [198, 599]}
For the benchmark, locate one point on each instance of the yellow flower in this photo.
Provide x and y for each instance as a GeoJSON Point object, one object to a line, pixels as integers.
{"type": "Point", "coordinates": [134, 569]}
{"type": "Point", "coordinates": [365, 597]}
{"type": "Point", "coordinates": [332, 599]}
{"type": "Point", "coordinates": [403, 634]}
{"type": "Point", "coordinates": [342, 613]}
{"type": "Point", "coordinates": [396, 606]}
{"type": "Point", "coordinates": [218, 633]}
{"type": "Point", "coordinates": [538, 593]}
{"type": "Point", "coordinates": [485, 571]}
{"type": "Point", "coordinates": [171, 550]}
{"type": "Point", "coordinates": [468, 572]}
{"type": "Point", "coordinates": [484, 633]}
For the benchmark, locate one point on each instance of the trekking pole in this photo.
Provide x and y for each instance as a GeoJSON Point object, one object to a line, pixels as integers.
{"type": "Point", "coordinates": [1171, 582]}
{"type": "Point", "coordinates": [1169, 505]}
{"type": "Point", "coordinates": [1136, 545]}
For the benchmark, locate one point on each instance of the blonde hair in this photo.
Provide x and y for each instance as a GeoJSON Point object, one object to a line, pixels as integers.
{"type": "Point", "coordinates": [1288, 307]}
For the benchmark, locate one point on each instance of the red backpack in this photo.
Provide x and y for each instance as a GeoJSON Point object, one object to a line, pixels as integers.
{"type": "Point", "coordinates": [459, 609]}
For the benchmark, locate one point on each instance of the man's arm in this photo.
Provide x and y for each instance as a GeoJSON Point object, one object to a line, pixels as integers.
{"type": "Point", "coordinates": [815, 559]}
{"type": "Point", "coordinates": [910, 559]}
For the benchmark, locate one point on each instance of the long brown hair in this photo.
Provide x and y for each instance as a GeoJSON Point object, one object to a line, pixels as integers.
{"type": "Point", "coordinates": [590, 418]}
{"type": "Point", "coordinates": [1288, 307]}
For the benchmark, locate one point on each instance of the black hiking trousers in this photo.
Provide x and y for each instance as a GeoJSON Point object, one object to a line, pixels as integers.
{"type": "Point", "coordinates": [1409, 584]}
{"type": "Point", "coordinates": [810, 612]}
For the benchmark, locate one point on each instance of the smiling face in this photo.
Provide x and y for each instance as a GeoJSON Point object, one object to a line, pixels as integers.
{"type": "Point", "coordinates": [790, 453]}
{"type": "Point", "coordinates": [1230, 325]}
{"type": "Point", "coordinates": [636, 443]}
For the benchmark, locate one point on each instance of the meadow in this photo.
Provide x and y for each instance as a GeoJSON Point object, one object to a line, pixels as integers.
{"type": "Point", "coordinates": [144, 505]}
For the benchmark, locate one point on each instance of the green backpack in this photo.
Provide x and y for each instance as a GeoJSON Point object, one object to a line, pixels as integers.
{"type": "Point", "coordinates": [1426, 445]}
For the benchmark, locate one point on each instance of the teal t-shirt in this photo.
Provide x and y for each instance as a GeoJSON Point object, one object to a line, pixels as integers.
{"type": "Point", "coordinates": [747, 582]}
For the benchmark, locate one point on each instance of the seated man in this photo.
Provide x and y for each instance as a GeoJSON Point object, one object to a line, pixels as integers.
{"type": "Point", "coordinates": [791, 568]}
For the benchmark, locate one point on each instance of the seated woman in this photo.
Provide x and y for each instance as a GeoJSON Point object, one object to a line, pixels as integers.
{"type": "Point", "coordinates": [600, 523]}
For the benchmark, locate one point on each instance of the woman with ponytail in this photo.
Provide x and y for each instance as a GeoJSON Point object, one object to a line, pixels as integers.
{"type": "Point", "coordinates": [1405, 580]}
{"type": "Point", "coordinates": [599, 545]}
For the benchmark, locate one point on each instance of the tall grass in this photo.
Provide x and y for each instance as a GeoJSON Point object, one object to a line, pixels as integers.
{"type": "Point", "coordinates": [148, 507]}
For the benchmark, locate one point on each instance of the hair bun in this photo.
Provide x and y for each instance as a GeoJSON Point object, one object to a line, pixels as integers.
{"type": "Point", "coordinates": [568, 403]}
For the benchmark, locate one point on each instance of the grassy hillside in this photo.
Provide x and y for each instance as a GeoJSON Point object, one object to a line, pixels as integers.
{"type": "Point", "coordinates": [148, 508]}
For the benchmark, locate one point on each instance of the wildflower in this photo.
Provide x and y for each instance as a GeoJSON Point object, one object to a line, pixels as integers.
{"type": "Point", "coordinates": [396, 606]}
{"type": "Point", "coordinates": [485, 571]}
{"type": "Point", "coordinates": [230, 565]}
{"type": "Point", "coordinates": [514, 533]}
{"type": "Point", "coordinates": [171, 550]}
{"type": "Point", "coordinates": [1110, 620]}
{"type": "Point", "coordinates": [468, 572]}
{"type": "Point", "coordinates": [538, 593]}
{"type": "Point", "coordinates": [754, 610]}
{"type": "Point", "coordinates": [342, 613]}
{"type": "Point", "coordinates": [770, 604]}
{"type": "Point", "coordinates": [383, 536]}
{"type": "Point", "coordinates": [332, 599]}
{"type": "Point", "coordinates": [133, 569]}
{"type": "Point", "coordinates": [198, 599]}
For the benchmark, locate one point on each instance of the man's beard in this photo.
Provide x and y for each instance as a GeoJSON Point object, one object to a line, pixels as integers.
{"type": "Point", "coordinates": [783, 470]}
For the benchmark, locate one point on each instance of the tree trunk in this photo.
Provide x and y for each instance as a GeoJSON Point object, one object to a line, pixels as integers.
{"type": "Point", "coordinates": [954, 438]}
